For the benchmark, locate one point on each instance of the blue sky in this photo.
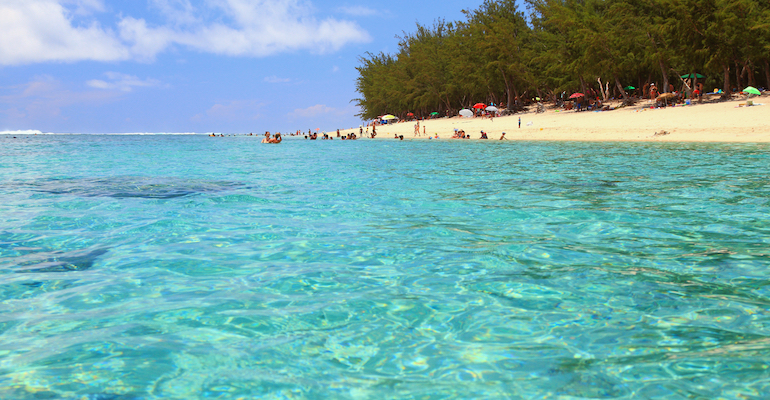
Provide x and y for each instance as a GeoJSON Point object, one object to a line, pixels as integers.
{"type": "Point", "coordinates": [233, 66]}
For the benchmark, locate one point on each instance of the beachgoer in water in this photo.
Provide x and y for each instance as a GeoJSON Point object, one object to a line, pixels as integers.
{"type": "Point", "coordinates": [267, 138]}
{"type": "Point", "coordinates": [401, 137]}
{"type": "Point", "coordinates": [276, 139]}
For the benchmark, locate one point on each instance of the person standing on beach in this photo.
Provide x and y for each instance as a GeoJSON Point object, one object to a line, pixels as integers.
{"type": "Point", "coordinates": [417, 129]}
{"type": "Point", "coordinates": [519, 126]}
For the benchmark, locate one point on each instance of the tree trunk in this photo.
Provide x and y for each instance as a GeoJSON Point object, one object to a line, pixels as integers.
{"type": "Point", "coordinates": [738, 75]}
{"type": "Point", "coordinates": [605, 94]}
{"type": "Point", "coordinates": [727, 90]}
{"type": "Point", "coordinates": [508, 91]}
{"type": "Point", "coordinates": [750, 71]}
{"type": "Point", "coordinates": [620, 88]}
{"type": "Point", "coordinates": [767, 73]}
{"type": "Point", "coordinates": [664, 71]}
{"type": "Point", "coordinates": [582, 85]}
{"type": "Point", "coordinates": [516, 100]}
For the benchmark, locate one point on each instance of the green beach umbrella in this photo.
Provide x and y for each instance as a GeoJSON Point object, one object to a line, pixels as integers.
{"type": "Point", "coordinates": [434, 113]}
{"type": "Point", "coordinates": [629, 88]}
{"type": "Point", "coordinates": [752, 90]}
{"type": "Point", "coordinates": [685, 76]}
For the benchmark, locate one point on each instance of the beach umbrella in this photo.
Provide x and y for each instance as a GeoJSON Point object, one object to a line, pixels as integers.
{"type": "Point", "coordinates": [699, 76]}
{"type": "Point", "coordinates": [389, 117]}
{"type": "Point", "coordinates": [752, 90]}
{"type": "Point", "coordinates": [410, 115]}
{"type": "Point", "coordinates": [576, 95]}
{"type": "Point", "coordinates": [466, 113]}
{"type": "Point", "coordinates": [492, 108]}
{"type": "Point", "coordinates": [434, 113]}
{"type": "Point", "coordinates": [479, 105]}
{"type": "Point", "coordinates": [629, 88]}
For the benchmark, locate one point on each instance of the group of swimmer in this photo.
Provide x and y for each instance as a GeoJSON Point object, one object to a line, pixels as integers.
{"type": "Point", "coordinates": [275, 139]}
{"type": "Point", "coordinates": [460, 134]}
{"type": "Point", "coordinates": [326, 136]}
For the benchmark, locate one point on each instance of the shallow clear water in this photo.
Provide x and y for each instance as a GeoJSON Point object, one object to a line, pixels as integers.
{"type": "Point", "coordinates": [164, 267]}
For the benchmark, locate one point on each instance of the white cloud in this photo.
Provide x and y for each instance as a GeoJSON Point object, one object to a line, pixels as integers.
{"type": "Point", "coordinates": [41, 30]}
{"type": "Point", "coordinates": [122, 82]}
{"type": "Point", "coordinates": [46, 30]}
{"type": "Point", "coordinates": [275, 79]}
{"type": "Point", "coordinates": [359, 11]}
{"type": "Point", "coordinates": [179, 12]}
{"type": "Point", "coordinates": [44, 98]}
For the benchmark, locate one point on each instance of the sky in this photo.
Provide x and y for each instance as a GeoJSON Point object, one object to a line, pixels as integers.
{"type": "Point", "coordinates": [177, 66]}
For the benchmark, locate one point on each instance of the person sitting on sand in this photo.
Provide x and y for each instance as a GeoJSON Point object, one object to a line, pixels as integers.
{"type": "Point", "coordinates": [484, 135]}
{"type": "Point", "coordinates": [502, 137]}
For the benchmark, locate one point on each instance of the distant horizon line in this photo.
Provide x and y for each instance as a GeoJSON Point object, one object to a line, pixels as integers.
{"type": "Point", "coordinates": [37, 132]}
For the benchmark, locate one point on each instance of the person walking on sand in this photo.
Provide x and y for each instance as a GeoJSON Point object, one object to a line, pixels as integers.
{"type": "Point", "coordinates": [417, 129]}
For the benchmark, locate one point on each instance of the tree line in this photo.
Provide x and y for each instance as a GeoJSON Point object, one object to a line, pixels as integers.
{"type": "Point", "coordinates": [507, 52]}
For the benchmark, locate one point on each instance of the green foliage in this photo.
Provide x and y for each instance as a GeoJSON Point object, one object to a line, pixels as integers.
{"type": "Point", "coordinates": [500, 55]}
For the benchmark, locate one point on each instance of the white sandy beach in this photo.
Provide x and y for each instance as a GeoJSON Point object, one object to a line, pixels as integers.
{"type": "Point", "coordinates": [715, 122]}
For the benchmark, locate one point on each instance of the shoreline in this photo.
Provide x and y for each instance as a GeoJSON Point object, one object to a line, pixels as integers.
{"type": "Point", "coordinates": [729, 122]}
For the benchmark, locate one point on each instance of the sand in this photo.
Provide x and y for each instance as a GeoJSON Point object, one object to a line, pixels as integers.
{"type": "Point", "coordinates": [710, 122]}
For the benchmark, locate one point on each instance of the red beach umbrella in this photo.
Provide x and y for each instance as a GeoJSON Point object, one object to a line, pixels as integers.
{"type": "Point", "coordinates": [410, 115]}
{"type": "Point", "coordinates": [480, 105]}
{"type": "Point", "coordinates": [576, 95]}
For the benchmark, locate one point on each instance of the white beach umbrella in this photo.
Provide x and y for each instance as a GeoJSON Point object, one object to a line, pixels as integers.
{"type": "Point", "coordinates": [492, 108]}
{"type": "Point", "coordinates": [466, 113]}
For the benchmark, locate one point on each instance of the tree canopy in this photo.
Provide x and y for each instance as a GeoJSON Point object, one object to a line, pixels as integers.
{"type": "Point", "coordinates": [508, 52]}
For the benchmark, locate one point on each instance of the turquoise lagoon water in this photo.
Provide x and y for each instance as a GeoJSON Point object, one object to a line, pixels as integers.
{"type": "Point", "coordinates": [168, 267]}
